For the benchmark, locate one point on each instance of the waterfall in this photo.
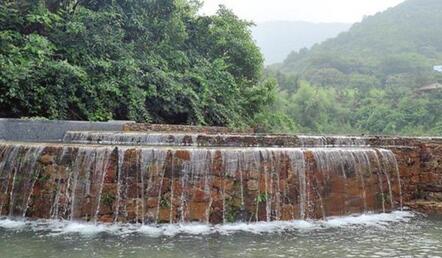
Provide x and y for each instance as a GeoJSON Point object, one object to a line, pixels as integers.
{"type": "Point", "coordinates": [160, 184]}
{"type": "Point", "coordinates": [129, 138]}
{"type": "Point", "coordinates": [24, 173]}
{"type": "Point", "coordinates": [298, 167]}
{"type": "Point", "coordinates": [212, 140]}
{"type": "Point", "coordinates": [332, 141]}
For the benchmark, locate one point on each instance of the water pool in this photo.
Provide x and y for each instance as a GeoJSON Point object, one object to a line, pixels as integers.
{"type": "Point", "coordinates": [398, 234]}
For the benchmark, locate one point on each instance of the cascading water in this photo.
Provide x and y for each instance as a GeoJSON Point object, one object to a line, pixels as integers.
{"type": "Point", "coordinates": [129, 138]}
{"type": "Point", "coordinates": [185, 184]}
{"type": "Point", "coordinates": [333, 141]}
{"type": "Point", "coordinates": [18, 176]}
{"type": "Point", "coordinates": [211, 140]}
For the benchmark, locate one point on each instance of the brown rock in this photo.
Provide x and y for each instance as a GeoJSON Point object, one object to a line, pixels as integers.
{"type": "Point", "coordinates": [217, 183]}
{"type": "Point", "coordinates": [46, 159]}
{"type": "Point", "coordinates": [252, 185]}
{"type": "Point", "coordinates": [228, 185]}
{"type": "Point", "coordinates": [288, 212]}
{"type": "Point", "coordinates": [152, 202]}
{"type": "Point", "coordinates": [199, 195]}
{"type": "Point", "coordinates": [106, 218]}
{"type": "Point", "coordinates": [262, 185]}
{"type": "Point", "coordinates": [198, 211]}
{"type": "Point", "coordinates": [164, 215]}
{"type": "Point", "coordinates": [183, 155]}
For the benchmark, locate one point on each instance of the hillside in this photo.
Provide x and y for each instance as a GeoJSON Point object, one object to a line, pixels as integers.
{"type": "Point", "coordinates": [405, 40]}
{"type": "Point", "coordinates": [277, 39]}
{"type": "Point", "coordinates": [366, 80]}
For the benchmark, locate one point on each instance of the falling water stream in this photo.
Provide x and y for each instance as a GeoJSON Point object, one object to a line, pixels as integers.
{"type": "Point", "coordinates": [294, 183]}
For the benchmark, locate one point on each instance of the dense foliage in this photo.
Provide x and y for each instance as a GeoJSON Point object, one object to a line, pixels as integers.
{"type": "Point", "coordinates": [160, 61]}
{"type": "Point", "coordinates": [366, 80]}
{"type": "Point", "coordinates": [144, 60]}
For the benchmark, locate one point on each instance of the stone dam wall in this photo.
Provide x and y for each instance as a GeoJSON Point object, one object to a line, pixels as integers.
{"type": "Point", "coordinates": [421, 173]}
{"type": "Point", "coordinates": [171, 185]}
{"type": "Point", "coordinates": [216, 176]}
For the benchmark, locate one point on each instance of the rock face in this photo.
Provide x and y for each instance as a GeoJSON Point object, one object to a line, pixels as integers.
{"type": "Point", "coordinates": [165, 185]}
{"type": "Point", "coordinates": [158, 182]}
{"type": "Point", "coordinates": [421, 170]}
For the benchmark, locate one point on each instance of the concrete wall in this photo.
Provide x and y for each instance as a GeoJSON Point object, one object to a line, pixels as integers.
{"type": "Point", "coordinates": [45, 130]}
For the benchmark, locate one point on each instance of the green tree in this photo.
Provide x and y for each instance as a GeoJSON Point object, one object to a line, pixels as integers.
{"type": "Point", "coordinates": [144, 60]}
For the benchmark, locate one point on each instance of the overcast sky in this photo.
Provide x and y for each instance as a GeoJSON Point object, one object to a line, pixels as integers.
{"type": "Point", "coordinates": [347, 11]}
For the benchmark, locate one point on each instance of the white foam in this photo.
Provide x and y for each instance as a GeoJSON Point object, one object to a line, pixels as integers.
{"type": "Point", "coordinates": [12, 224]}
{"type": "Point", "coordinates": [85, 229]}
{"type": "Point", "coordinates": [151, 231]}
{"type": "Point", "coordinates": [369, 219]}
{"type": "Point", "coordinates": [265, 227]}
{"type": "Point", "coordinates": [170, 230]}
{"type": "Point", "coordinates": [196, 229]}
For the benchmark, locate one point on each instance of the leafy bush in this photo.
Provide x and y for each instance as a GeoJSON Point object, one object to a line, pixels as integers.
{"type": "Point", "coordinates": [144, 60]}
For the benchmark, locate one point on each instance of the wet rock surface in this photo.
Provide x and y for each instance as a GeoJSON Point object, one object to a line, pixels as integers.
{"type": "Point", "coordinates": [161, 185]}
{"type": "Point", "coordinates": [164, 177]}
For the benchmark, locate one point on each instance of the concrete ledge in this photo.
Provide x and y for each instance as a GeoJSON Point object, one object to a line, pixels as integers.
{"type": "Point", "coordinates": [50, 130]}
{"type": "Point", "coordinates": [154, 138]}
{"type": "Point", "coordinates": [144, 127]}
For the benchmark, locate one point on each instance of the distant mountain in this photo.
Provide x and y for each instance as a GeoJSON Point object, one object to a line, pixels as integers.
{"type": "Point", "coordinates": [376, 78]}
{"type": "Point", "coordinates": [278, 38]}
{"type": "Point", "coordinates": [399, 46]}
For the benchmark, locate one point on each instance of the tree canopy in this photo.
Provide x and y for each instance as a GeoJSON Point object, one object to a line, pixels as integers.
{"type": "Point", "coordinates": [144, 60]}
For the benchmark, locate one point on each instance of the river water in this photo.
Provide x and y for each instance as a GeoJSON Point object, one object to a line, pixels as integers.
{"type": "Point", "coordinates": [398, 234]}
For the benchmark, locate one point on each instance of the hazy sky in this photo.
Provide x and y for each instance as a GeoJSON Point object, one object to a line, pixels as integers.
{"type": "Point", "coordinates": [348, 11]}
